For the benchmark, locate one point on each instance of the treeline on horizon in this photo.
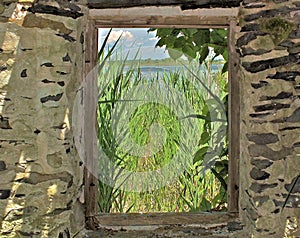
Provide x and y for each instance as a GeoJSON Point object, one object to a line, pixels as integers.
{"type": "Point", "coordinates": [161, 62]}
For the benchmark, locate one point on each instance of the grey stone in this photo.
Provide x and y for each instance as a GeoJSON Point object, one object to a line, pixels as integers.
{"type": "Point", "coordinates": [262, 139]}
{"type": "Point", "coordinates": [4, 123]}
{"type": "Point", "coordinates": [294, 186]}
{"type": "Point", "coordinates": [4, 194]}
{"type": "Point", "coordinates": [292, 201]}
{"type": "Point", "coordinates": [261, 163]}
{"type": "Point", "coordinates": [257, 174]}
{"type": "Point", "coordinates": [295, 117]}
{"type": "Point", "coordinates": [259, 188]}
{"type": "Point", "coordinates": [261, 200]}
{"type": "Point", "coordinates": [2, 165]}
{"type": "Point", "coordinates": [265, 151]}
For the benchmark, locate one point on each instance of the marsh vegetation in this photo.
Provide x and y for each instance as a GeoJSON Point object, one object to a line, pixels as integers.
{"type": "Point", "coordinates": [202, 184]}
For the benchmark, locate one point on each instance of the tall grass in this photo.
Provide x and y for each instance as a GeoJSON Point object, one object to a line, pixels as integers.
{"type": "Point", "coordinates": [198, 188]}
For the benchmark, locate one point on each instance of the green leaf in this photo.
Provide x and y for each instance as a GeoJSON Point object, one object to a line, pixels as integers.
{"type": "Point", "coordinates": [200, 154]}
{"type": "Point", "coordinates": [189, 51]}
{"type": "Point", "coordinates": [101, 51]}
{"type": "Point", "coordinates": [198, 116]}
{"type": "Point", "coordinates": [189, 31]}
{"type": "Point", "coordinates": [221, 165]}
{"type": "Point", "coordinates": [220, 178]}
{"type": "Point", "coordinates": [201, 37]}
{"type": "Point", "coordinates": [222, 32]}
{"type": "Point", "coordinates": [225, 54]}
{"type": "Point", "coordinates": [216, 37]}
{"type": "Point", "coordinates": [161, 42]}
{"type": "Point", "coordinates": [205, 205]}
{"type": "Point", "coordinates": [204, 54]}
{"type": "Point", "coordinates": [205, 137]}
{"type": "Point", "coordinates": [179, 42]}
{"type": "Point", "coordinates": [170, 41]}
{"type": "Point", "coordinates": [225, 67]}
{"type": "Point", "coordinates": [175, 32]}
{"type": "Point", "coordinates": [174, 53]}
{"type": "Point", "coordinates": [219, 50]}
{"type": "Point", "coordinates": [163, 32]}
{"type": "Point", "coordinates": [151, 29]}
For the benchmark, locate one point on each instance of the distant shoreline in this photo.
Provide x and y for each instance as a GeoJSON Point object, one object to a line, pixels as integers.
{"type": "Point", "coordinates": [160, 62]}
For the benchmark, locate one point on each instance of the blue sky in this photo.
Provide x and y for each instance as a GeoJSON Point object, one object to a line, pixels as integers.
{"type": "Point", "coordinates": [134, 39]}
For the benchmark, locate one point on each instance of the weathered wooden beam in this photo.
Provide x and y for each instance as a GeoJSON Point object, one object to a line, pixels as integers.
{"type": "Point", "coordinates": [163, 16]}
{"type": "Point", "coordinates": [90, 95]}
{"type": "Point", "coordinates": [185, 4]}
{"type": "Point", "coordinates": [234, 121]}
{"type": "Point", "coordinates": [152, 219]}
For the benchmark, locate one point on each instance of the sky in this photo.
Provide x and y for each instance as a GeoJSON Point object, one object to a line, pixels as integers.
{"type": "Point", "coordinates": [134, 39]}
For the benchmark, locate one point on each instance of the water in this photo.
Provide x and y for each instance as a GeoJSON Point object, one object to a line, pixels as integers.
{"type": "Point", "coordinates": [152, 71]}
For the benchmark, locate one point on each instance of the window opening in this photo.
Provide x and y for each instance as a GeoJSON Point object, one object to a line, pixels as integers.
{"type": "Point", "coordinates": [163, 120]}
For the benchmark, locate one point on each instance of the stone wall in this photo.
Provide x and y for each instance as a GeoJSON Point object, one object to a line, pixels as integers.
{"type": "Point", "coordinates": [269, 46]}
{"type": "Point", "coordinates": [41, 65]}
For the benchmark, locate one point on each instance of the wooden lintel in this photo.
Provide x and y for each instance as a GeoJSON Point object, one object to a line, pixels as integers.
{"type": "Point", "coordinates": [167, 22]}
{"type": "Point", "coordinates": [185, 4]}
{"type": "Point", "coordinates": [156, 11]}
{"type": "Point", "coordinates": [163, 17]}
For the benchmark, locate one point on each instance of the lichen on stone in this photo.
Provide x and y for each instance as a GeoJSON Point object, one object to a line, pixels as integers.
{"type": "Point", "coordinates": [278, 28]}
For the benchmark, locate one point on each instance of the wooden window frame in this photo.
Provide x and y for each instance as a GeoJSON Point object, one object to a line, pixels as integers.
{"type": "Point", "coordinates": [163, 17]}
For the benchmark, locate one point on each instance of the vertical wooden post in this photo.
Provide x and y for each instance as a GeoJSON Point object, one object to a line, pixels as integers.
{"type": "Point", "coordinates": [90, 88]}
{"type": "Point", "coordinates": [234, 123]}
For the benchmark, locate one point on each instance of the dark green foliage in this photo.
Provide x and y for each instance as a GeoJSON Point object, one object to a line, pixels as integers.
{"type": "Point", "coordinates": [193, 43]}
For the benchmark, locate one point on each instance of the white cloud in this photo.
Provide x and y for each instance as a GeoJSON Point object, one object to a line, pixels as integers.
{"type": "Point", "coordinates": [146, 52]}
{"type": "Point", "coordinates": [153, 38]}
{"type": "Point", "coordinates": [114, 35]}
